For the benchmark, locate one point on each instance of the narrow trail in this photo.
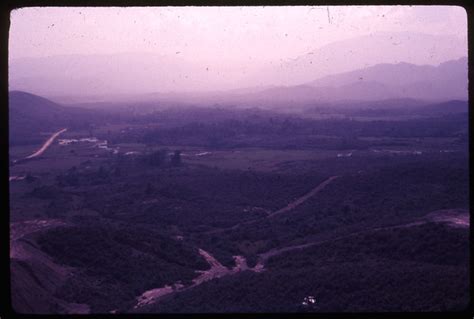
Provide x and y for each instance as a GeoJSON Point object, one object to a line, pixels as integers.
{"type": "Point", "coordinates": [285, 209]}
{"type": "Point", "coordinates": [304, 198]}
{"type": "Point", "coordinates": [458, 218]}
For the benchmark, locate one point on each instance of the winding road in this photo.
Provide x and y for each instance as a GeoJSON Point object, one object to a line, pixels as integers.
{"type": "Point", "coordinates": [46, 144]}
{"type": "Point", "coordinates": [40, 151]}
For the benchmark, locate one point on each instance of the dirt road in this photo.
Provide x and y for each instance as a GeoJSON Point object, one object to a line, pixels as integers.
{"type": "Point", "coordinates": [217, 270]}
{"type": "Point", "coordinates": [285, 209]}
{"type": "Point", "coordinates": [46, 144]}
{"type": "Point", "coordinates": [304, 198]}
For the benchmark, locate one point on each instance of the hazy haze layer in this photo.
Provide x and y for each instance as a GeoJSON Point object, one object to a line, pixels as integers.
{"type": "Point", "coordinates": [107, 51]}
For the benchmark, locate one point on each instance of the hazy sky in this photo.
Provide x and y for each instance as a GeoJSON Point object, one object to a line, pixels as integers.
{"type": "Point", "coordinates": [209, 48]}
{"type": "Point", "coordinates": [230, 33]}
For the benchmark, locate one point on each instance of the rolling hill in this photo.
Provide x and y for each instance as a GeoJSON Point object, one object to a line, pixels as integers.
{"type": "Point", "coordinates": [30, 115]}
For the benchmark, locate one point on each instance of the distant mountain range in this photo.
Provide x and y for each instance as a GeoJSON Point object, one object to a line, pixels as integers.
{"type": "Point", "coordinates": [105, 77]}
{"type": "Point", "coordinates": [366, 51]}
{"type": "Point", "coordinates": [431, 84]}
{"type": "Point", "coordinates": [447, 81]}
{"type": "Point", "coordinates": [400, 82]}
